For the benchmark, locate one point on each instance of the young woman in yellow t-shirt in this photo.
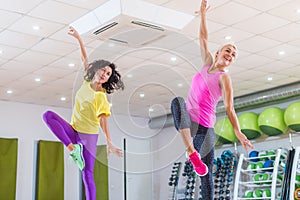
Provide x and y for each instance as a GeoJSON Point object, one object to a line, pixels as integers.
{"type": "Point", "coordinates": [90, 111]}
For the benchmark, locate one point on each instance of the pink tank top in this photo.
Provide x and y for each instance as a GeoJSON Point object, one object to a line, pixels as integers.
{"type": "Point", "coordinates": [204, 94]}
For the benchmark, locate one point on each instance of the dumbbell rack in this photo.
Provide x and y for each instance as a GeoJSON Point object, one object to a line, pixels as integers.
{"type": "Point", "coordinates": [240, 172]}
{"type": "Point", "coordinates": [294, 173]}
{"type": "Point", "coordinates": [174, 179]}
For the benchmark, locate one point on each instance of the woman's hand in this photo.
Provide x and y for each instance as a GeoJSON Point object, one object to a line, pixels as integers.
{"type": "Point", "coordinates": [72, 31]}
{"type": "Point", "coordinates": [244, 141]}
{"type": "Point", "coordinates": [203, 8]}
{"type": "Point", "coordinates": [112, 149]}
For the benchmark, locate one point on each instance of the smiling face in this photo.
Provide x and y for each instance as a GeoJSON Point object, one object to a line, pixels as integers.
{"type": "Point", "coordinates": [226, 55]}
{"type": "Point", "coordinates": [102, 75]}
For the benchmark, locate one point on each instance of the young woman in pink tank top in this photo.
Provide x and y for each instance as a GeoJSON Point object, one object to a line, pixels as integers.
{"type": "Point", "coordinates": [197, 116]}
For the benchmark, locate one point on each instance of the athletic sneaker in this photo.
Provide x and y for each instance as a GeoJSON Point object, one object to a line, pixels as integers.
{"type": "Point", "coordinates": [199, 167]}
{"type": "Point", "coordinates": [77, 156]}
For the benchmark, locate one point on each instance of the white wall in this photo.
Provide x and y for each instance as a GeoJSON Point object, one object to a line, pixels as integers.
{"type": "Point", "coordinates": [24, 121]}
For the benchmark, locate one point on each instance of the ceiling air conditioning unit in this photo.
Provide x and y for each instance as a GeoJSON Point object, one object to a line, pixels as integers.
{"type": "Point", "coordinates": [130, 31]}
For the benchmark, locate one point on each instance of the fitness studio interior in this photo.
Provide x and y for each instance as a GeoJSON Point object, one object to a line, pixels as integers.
{"type": "Point", "coordinates": [155, 46]}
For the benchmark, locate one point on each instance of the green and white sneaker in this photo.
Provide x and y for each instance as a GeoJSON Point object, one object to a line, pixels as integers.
{"type": "Point", "coordinates": [77, 156]}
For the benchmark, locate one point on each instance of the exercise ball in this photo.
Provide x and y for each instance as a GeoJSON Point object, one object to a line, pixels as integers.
{"type": "Point", "coordinates": [249, 125]}
{"type": "Point", "coordinates": [292, 116]}
{"type": "Point", "coordinates": [224, 130]}
{"type": "Point", "coordinates": [271, 121]}
{"type": "Point", "coordinates": [253, 155]}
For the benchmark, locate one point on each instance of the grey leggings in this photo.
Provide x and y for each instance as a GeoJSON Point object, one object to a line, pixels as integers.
{"type": "Point", "coordinates": [203, 141]}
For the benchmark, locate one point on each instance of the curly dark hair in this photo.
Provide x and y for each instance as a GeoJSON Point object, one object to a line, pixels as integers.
{"type": "Point", "coordinates": [114, 82]}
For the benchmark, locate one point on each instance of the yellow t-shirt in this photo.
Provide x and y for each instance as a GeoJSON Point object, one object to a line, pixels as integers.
{"type": "Point", "coordinates": [88, 107]}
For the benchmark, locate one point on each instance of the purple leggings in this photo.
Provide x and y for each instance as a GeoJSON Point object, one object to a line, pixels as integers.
{"type": "Point", "coordinates": [67, 135]}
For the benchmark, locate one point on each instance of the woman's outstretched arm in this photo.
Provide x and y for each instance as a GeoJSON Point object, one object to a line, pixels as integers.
{"type": "Point", "coordinates": [84, 57]}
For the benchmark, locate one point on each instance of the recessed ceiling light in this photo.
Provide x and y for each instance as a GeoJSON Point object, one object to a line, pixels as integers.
{"type": "Point", "coordinates": [151, 109]}
{"type": "Point", "coordinates": [227, 37]}
{"type": "Point", "coordinates": [1, 51]}
{"type": "Point", "coordinates": [269, 78]}
{"type": "Point", "coordinates": [35, 27]}
{"type": "Point", "coordinates": [179, 84]}
{"type": "Point", "coordinates": [173, 59]}
{"type": "Point", "coordinates": [37, 79]}
{"type": "Point", "coordinates": [129, 75]}
{"type": "Point", "coordinates": [63, 98]}
{"type": "Point", "coordinates": [281, 53]}
{"type": "Point", "coordinates": [298, 10]}
{"type": "Point", "coordinates": [111, 45]}
{"type": "Point", "coordinates": [71, 65]}
{"type": "Point", "coordinates": [142, 95]}
{"type": "Point", "coordinates": [9, 91]}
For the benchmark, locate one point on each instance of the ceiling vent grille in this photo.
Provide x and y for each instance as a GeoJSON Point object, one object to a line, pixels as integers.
{"type": "Point", "coordinates": [147, 25]}
{"type": "Point", "coordinates": [130, 32]}
{"type": "Point", "coordinates": [102, 29]}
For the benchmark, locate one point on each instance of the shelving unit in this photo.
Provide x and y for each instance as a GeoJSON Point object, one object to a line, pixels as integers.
{"type": "Point", "coordinates": [294, 173]}
{"type": "Point", "coordinates": [244, 177]}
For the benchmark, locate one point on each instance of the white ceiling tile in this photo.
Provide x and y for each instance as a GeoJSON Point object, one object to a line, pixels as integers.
{"type": "Point", "coordinates": [274, 52]}
{"type": "Point", "coordinates": [7, 18]}
{"type": "Point", "coordinates": [252, 61]}
{"type": "Point", "coordinates": [235, 34]}
{"type": "Point", "coordinates": [275, 67]}
{"type": "Point", "coordinates": [187, 6]}
{"type": "Point", "coordinates": [126, 62]}
{"type": "Point", "coordinates": [20, 6]}
{"type": "Point", "coordinates": [294, 59]}
{"type": "Point", "coordinates": [171, 41]}
{"type": "Point", "coordinates": [8, 76]}
{"type": "Point", "coordinates": [276, 78]}
{"type": "Point", "coordinates": [288, 10]}
{"type": "Point", "coordinates": [26, 23]}
{"type": "Point", "coordinates": [165, 59]}
{"type": "Point", "coordinates": [88, 4]}
{"type": "Point", "coordinates": [29, 79]}
{"type": "Point", "coordinates": [256, 44]}
{"type": "Point", "coordinates": [8, 52]}
{"type": "Point", "coordinates": [266, 22]}
{"type": "Point", "coordinates": [18, 40]}
{"type": "Point", "coordinates": [145, 53]}
{"type": "Point", "coordinates": [264, 5]}
{"type": "Point", "coordinates": [290, 71]}
{"type": "Point", "coordinates": [63, 63]}
{"type": "Point", "coordinates": [157, 2]}
{"type": "Point", "coordinates": [51, 72]}
{"type": "Point", "coordinates": [192, 29]}
{"type": "Point", "coordinates": [36, 58]}
{"type": "Point", "coordinates": [20, 66]}
{"type": "Point", "coordinates": [286, 33]}
{"type": "Point", "coordinates": [54, 47]}
{"type": "Point", "coordinates": [62, 35]}
{"type": "Point", "coordinates": [221, 14]}
{"type": "Point", "coordinates": [295, 42]}
{"type": "Point", "coordinates": [3, 61]}
{"type": "Point", "coordinates": [56, 12]}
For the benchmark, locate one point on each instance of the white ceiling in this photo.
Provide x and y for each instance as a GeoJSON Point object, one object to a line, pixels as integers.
{"type": "Point", "coordinates": [260, 30]}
